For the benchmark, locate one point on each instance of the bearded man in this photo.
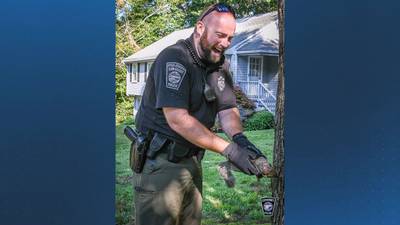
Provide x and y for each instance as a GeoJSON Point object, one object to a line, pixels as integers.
{"type": "Point", "coordinates": [188, 86]}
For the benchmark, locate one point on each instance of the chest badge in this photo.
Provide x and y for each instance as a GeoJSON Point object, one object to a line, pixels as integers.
{"type": "Point", "coordinates": [221, 83]}
{"type": "Point", "coordinates": [175, 74]}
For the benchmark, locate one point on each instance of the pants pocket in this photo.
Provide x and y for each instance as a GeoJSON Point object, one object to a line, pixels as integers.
{"type": "Point", "coordinates": [153, 177]}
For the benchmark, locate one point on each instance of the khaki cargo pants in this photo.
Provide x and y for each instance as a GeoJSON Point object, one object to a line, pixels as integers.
{"type": "Point", "coordinates": [167, 193]}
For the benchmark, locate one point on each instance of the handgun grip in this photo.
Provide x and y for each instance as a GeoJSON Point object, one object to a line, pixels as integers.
{"type": "Point", "coordinates": [130, 134]}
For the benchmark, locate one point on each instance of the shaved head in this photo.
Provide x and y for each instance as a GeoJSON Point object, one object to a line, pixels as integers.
{"type": "Point", "coordinates": [219, 18]}
{"type": "Point", "coordinates": [213, 35]}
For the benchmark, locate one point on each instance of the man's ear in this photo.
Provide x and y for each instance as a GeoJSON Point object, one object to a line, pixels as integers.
{"type": "Point", "coordinates": [200, 28]}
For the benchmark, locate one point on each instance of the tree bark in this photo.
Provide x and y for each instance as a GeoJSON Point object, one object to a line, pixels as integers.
{"type": "Point", "coordinates": [278, 182]}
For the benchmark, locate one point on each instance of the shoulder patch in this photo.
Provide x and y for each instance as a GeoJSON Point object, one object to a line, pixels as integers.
{"type": "Point", "coordinates": [175, 74]}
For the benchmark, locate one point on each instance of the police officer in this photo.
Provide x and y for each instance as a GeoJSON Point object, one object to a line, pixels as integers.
{"type": "Point", "coordinates": [188, 85]}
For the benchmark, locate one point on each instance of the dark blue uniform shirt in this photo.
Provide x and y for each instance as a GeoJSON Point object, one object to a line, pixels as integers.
{"type": "Point", "coordinates": [177, 79]}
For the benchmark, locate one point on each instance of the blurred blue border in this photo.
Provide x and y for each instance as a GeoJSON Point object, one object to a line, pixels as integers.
{"type": "Point", "coordinates": [57, 112]}
{"type": "Point", "coordinates": [342, 107]}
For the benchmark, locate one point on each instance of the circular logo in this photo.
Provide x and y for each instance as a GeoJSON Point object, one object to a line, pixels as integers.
{"type": "Point", "coordinates": [174, 77]}
{"type": "Point", "coordinates": [268, 206]}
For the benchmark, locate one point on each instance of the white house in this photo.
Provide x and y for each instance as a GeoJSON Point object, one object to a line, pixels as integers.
{"type": "Point", "coordinates": [253, 57]}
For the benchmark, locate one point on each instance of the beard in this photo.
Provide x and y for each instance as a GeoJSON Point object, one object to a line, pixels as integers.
{"type": "Point", "coordinates": [211, 54]}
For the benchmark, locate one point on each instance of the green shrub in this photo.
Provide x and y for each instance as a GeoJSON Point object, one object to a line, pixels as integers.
{"type": "Point", "coordinates": [124, 110]}
{"type": "Point", "coordinates": [259, 121]}
{"type": "Point", "coordinates": [129, 121]}
{"type": "Point", "coordinates": [242, 99]}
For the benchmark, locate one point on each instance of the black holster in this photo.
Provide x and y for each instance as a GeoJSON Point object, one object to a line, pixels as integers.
{"type": "Point", "coordinates": [158, 141]}
{"type": "Point", "coordinates": [138, 150]}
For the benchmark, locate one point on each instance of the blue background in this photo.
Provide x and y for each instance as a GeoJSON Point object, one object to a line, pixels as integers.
{"type": "Point", "coordinates": [57, 112]}
{"type": "Point", "coordinates": [342, 112]}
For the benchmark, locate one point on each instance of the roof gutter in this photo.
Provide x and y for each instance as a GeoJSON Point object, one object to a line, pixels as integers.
{"type": "Point", "coordinates": [149, 58]}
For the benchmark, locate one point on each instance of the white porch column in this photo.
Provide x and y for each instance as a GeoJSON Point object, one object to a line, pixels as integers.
{"type": "Point", "coordinates": [234, 67]}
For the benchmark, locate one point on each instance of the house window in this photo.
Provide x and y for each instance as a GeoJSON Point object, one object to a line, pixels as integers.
{"type": "Point", "coordinates": [130, 72]}
{"type": "Point", "coordinates": [138, 73]}
{"type": "Point", "coordinates": [255, 68]}
{"type": "Point", "coordinates": [133, 74]}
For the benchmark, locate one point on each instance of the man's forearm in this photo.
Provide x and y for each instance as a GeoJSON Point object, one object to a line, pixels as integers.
{"type": "Point", "coordinates": [230, 121]}
{"type": "Point", "coordinates": [192, 130]}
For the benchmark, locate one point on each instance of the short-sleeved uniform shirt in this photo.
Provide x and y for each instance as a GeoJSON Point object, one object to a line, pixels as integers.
{"type": "Point", "coordinates": [177, 79]}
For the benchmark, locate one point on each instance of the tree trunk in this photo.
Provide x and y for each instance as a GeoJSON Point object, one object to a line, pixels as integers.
{"type": "Point", "coordinates": [278, 182]}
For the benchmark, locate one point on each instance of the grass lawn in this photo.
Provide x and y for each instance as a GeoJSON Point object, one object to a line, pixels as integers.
{"type": "Point", "coordinates": [221, 205]}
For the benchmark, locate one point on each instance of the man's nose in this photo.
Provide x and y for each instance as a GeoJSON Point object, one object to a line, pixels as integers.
{"type": "Point", "coordinates": [225, 43]}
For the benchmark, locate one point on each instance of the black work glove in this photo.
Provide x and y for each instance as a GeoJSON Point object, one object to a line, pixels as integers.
{"type": "Point", "coordinates": [261, 164]}
{"type": "Point", "coordinates": [242, 158]}
{"type": "Point", "coordinates": [243, 142]}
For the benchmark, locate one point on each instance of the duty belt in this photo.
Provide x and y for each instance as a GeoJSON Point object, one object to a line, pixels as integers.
{"type": "Point", "coordinates": [175, 151]}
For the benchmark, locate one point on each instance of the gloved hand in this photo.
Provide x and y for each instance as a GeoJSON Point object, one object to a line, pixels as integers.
{"type": "Point", "coordinates": [261, 161]}
{"type": "Point", "coordinates": [243, 142]}
{"type": "Point", "coordinates": [242, 158]}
